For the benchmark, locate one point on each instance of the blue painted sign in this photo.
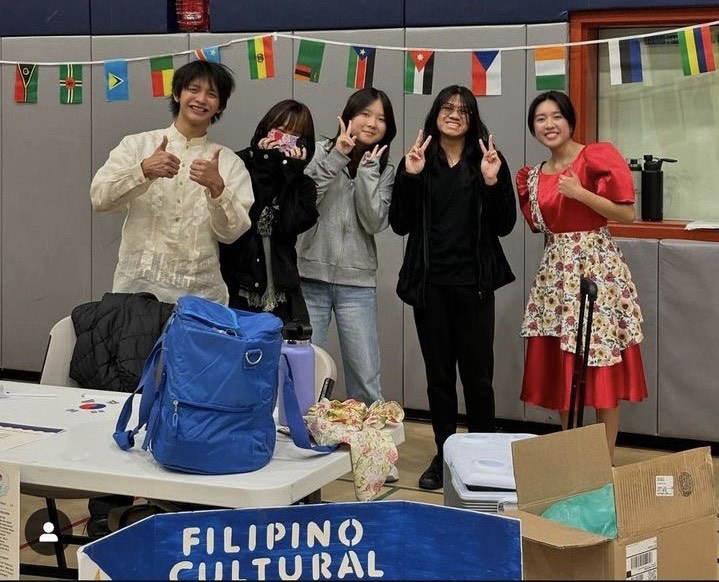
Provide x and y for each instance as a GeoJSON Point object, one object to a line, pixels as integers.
{"type": "Point", "coordinates": [394, 540]}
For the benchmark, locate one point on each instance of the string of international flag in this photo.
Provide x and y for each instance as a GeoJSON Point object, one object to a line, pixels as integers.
{"type": "Point", "coordinates": [550, 63]}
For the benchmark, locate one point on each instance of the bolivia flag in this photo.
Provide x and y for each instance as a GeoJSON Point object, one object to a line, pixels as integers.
{"type": "Point", "coordinates": [418, 72]}
{"type": "Point", "coordinates": [309, 61]}
{"type": "Point", "coordinates": [487, 73]}
{"type": "Point", "coordinates": [360, 68]}
{"type": "Point", "coordinates": [260, 57]}
{"type": "Point", "coordinates": [695, 46]}
{"type": "Point", "coordinates": [26, 83]}
{"type": "Point", "coordinates": [162, 72]}
{"type": "Point", "coordinates": [550, 68]}
{"type": "Point", "coordinates": [625, 61]}
{"type": "Point", "coordinates": [70, 84]}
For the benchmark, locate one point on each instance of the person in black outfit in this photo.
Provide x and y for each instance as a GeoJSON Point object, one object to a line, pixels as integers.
{"type": "Point", "coordinates": [454, 197]}
{"type": "Point", "coordinates": [260, 268]}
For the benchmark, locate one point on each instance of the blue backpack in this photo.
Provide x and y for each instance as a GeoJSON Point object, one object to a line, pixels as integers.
{"type": "Point", "coordinates": [209, 389]}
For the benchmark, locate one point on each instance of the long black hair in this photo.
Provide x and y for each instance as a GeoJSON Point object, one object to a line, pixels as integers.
{"type": "Point", "coordinates": [471, 154]}
{"type": "Point", "coordinates": [298, 118]}
{"type": "Point", "coordinates": [358, 102]}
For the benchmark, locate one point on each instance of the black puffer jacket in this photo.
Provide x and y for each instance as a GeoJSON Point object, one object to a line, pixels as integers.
{"type": "Point", "coordinates": [410, 214]}
{"type": "Point", "coordinates": [114, 338]}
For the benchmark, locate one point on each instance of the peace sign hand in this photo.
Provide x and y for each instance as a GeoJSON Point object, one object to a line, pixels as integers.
{"type": "Point", "coordinates": [375, 154]}
{"type": "Point", "coordinates": [414, 160]}
{"type": "Point", "coordinates": [345, 142]}
{"type": "Point", "coordinates": [491, 162]}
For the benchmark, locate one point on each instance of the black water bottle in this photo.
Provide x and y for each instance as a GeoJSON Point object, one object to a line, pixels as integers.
{"type": "Point", "coordinates": [653, 188]}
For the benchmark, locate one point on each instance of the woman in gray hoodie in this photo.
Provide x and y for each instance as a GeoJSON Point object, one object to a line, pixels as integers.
{"type": "Point", "coordinates": [337, 257]}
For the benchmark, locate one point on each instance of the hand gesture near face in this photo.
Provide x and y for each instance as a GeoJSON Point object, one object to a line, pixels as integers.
{"type": "Point", "coordinates": [161, 164]}
{"type": "Point", "coordinates": [414, 160]}
{"type": "Point", "coordinates": [491, 161]}
{"type": "Point", "coordinates": [569, 184]}
{"type": "Point", "coordinates": [207, 174]}
{"type": "Point", "coordinates": [345, 142]}
{"type": "Point", "coordinates": [375, 154]}
{"type": "Point", "coordinates": [298, 153]}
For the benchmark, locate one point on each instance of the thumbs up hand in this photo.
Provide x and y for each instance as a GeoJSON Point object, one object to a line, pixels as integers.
{"type": "Point", "coordinates": [161, 164]}
{"type": "Point", "coordinates": [207, 174]}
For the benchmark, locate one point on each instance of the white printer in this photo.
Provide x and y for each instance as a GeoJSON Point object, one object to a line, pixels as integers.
{"type": "Point", "coordinates": [478, 471]}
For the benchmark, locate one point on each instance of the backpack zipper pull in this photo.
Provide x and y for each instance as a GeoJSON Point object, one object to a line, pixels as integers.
{"type": "Point", "coordinates": [175, 416]}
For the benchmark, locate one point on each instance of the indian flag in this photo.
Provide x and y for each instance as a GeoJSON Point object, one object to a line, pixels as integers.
{"type": "Point", "coordinates": [418, 72]}
{"type": "Point", "coordinates": [550, 67]}
{"type": "Point", "coordinates": [260, 57]}
{"type": "Point", "coordinates": [163, 70]}
{"type": "Point", "coordinates": [695, 47]}
{"type": "Point", "coordinates": [487, 73]}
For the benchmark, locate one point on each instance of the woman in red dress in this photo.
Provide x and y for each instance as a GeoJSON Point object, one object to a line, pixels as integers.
{"type": "Point", "coordinates": [570, 198]}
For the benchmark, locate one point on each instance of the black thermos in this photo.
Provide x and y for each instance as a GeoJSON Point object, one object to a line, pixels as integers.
{"type": "Point", "coordinates": [653, 188]}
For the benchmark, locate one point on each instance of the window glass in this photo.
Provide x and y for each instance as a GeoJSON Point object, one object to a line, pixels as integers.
{"type": "Point", "coordinates": [668, 115]}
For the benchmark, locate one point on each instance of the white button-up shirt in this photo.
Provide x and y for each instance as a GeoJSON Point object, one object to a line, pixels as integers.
{"type": "Point", "coordinates": [169, 239]}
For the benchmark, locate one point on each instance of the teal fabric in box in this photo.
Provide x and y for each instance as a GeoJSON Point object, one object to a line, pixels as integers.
{"type": "Point", "coordinates": [592, 511]}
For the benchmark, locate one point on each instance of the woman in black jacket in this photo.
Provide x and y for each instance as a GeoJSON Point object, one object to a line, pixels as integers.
{"type": "Point", "coordinates": [260, 268]}
{"type": "Point", "coordinates": [453, 196]}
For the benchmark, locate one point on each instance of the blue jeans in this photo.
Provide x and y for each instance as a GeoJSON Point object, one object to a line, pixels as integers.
{"type": "Point", "coordinates": [355, 309]}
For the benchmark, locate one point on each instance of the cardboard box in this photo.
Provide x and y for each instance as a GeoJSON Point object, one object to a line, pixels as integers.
{"type": "Point", "coordinates": [666, 519]}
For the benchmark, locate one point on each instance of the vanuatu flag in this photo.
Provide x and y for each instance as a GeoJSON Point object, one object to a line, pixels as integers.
{"type": "Point", "coordinates": [70, 84]}
{"type": "Point", "coordinates": [162, 72]}
{"type": "Point", "coordinates": [309, 61]}
{"type": "Point", "coordinates": [360, 67]}
{"type": "Point", "coordinates": [260, 57]}
{"type": "Point", "coordinates": [418, 72]}
{"type": "Point", "coordinates": [695, 46]}
{"type": "Point", "coordinates": [26, 83]}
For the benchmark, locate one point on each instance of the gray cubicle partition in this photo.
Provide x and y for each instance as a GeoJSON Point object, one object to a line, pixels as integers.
{"type": "Point", "coordinates": [642, 256]}
{"type": "Point", "coordinates": [45, 215]}
{"type": "Point", "coordinates": [688, 366]}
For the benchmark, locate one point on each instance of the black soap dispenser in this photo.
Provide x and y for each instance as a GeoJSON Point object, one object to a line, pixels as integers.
{"type": "Point", "coordinates": [653, 188]}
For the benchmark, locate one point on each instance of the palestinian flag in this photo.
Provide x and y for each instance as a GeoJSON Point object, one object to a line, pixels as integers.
{"type": "Point", "coordinates": [360, 67]}
{"type": "Point", "coordinates": [309, 61]}
{"type": "Point", "coordinates": [261, 58]}
{"type": "Point", "coordinates": [418, 72]}
{"type": "Point", "coordinates": [162, 70]}
{"type": "Point", "coordinates": [26, 83]}
{"type": "Point", "coordinates": [70, 84]}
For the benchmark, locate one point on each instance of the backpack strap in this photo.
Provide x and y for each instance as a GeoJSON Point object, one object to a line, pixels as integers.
{"type": "Point", "coordinates": [147, 388]}
{"type": "Point", "coordinates": [295, 422]}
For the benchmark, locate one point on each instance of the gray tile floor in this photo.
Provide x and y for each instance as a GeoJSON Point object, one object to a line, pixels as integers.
{"type": "Point", "coordinates": [414, 456]}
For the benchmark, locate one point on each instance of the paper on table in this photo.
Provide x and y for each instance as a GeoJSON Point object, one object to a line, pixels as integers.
{"type": "Point", "coordinates": [9, 522]}
{"type": "Point", "coordinates": [702, 225]}
{"type": "Point", "coordinates": [14, 437]}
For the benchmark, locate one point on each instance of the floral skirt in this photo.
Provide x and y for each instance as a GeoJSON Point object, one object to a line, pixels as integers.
{"type": "Point", "coordinates": [552, 314]}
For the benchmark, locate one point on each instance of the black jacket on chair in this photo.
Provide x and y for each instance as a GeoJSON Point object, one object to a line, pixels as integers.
{"type": "Point", "coordinates": [114, 338]}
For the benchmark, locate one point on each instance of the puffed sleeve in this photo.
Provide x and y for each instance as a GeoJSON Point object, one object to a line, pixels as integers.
{"type": "Point", "coordinates": [523, 195]}
{"type": "Point", "coordinates": [609, 172]}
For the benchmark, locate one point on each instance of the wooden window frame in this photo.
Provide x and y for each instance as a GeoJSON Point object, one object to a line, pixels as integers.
{"type": "Point", "coordinates": [583, 75]}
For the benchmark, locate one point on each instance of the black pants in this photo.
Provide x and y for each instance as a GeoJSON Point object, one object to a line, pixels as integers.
{"type": "Point", "coordinates": [294, 309]}
{"type": "Point", "coordinates": [456, 331]}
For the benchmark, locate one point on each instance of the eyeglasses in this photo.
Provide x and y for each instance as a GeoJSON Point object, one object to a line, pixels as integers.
{"type": "Point", "coordinates": [449, 108]}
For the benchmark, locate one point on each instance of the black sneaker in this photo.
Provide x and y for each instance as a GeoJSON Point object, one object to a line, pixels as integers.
{"type": "Point", "coordinates": [432, 478]}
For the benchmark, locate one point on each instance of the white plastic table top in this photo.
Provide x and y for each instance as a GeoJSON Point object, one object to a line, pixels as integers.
{"type": "Point", "coordinates": [84, 456]}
